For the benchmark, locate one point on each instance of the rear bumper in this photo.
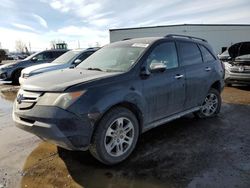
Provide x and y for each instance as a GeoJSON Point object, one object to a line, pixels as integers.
{"type": "Point", "coordinates": [56, 125]}
{"type": "Point", "coordinates": [237, 78]}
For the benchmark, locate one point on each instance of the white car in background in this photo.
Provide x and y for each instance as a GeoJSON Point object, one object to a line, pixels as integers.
{"type": "Point", "coordinates": [70, 59]}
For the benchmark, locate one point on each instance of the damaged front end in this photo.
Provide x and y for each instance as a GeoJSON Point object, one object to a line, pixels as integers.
{"type": "Point", "coordinates": [237, 66]}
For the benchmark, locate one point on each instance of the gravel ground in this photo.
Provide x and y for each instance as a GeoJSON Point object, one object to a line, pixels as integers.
{"type": "Point", "coordinates": [187, 152]}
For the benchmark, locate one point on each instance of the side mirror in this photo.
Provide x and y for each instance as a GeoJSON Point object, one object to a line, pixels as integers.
{"type": "Point", "coordinates": [77, 61]}
{"type": "Point", "coordinates": [34, 59]}
{"type": "Point", "coordinates": [158, 67]}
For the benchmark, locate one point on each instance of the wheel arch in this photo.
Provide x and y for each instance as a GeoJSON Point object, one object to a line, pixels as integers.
{"type": "Point", "coordinates": [128, 105]}
{"type": "Point", "coordinates": [14, 71]}
{"type": "Point", "coordinates": [217, 85]}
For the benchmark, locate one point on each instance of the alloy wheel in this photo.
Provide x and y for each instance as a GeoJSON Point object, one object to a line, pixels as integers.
{"type": "Point", "coordinates": [119, 137]}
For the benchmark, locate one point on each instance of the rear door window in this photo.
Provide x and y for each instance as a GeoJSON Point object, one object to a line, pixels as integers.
{"type": "Point", "coordinates": [189, 53]}
{"type": "Point", "coordinates": [206, 54]}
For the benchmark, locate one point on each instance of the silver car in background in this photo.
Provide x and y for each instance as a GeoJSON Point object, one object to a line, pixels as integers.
{"type": "Point", "coordinates": [237, 64]}
{"type": "Point", "coordinates": [69, 59]}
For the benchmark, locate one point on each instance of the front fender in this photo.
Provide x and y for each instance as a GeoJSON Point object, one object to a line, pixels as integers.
{"type": "Point", "coordinates": [110, 100]}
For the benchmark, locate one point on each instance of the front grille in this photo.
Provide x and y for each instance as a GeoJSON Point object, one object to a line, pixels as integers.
{"type": "Point", "coordinates": [240, 69]}
{"type": "Point", "coordinates": [26, 99]}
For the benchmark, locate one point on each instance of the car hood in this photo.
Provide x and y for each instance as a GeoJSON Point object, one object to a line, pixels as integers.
{"type": "Point", "coordinates": [41, 67]}
{"type": "Point", "coordinates": [239, 49]}
{"type": "Point", "coordinates": [62, 79]}
{"type": "Point", "coordinates": [7, 65]}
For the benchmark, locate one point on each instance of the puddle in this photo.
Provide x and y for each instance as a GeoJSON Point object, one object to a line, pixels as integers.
{"type": "Point", "coordinates": [8, 92]}
{"type": "Point", "coordinates": [50, 166]}
{"type": "Point", "coordinates": [7, 96]}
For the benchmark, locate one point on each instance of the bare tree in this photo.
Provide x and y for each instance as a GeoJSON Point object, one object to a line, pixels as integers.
{"type": "Point", "coordinates": [20, 46]}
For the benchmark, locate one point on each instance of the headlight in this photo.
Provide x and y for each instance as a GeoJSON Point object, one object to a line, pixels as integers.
{"type": "Point", "coordinates": [227, 66]}
{"type": "Point", "coordinates": [63, 100]}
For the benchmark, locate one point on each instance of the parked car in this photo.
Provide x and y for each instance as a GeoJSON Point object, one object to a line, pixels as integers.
{"type": "Point", "coordinates": [224, 56]}
{"type": "Point", "coordinates": [237, 64]}
{"type": "Point", "coordinates": [12, 71]}
{"type": "Point", "coordinates": [69, 59]}
{"type": "Point", "coordinates": [3, 55]}
{"type": "Point", "coordinates": [119, 92]}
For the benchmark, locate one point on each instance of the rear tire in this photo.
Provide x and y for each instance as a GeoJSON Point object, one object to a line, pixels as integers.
{"type": "Point", "coordinates": [115, 137]}
{"type": "Point", "coordinates": [211, 105]}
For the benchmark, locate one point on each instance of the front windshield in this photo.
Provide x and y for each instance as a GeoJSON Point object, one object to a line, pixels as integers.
{"type": "Point", "coordinates": [66, 57]}
{"type": "Point", "coordinates": [113, 59]}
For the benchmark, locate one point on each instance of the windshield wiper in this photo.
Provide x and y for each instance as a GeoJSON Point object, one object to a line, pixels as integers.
{"type": "Point", "coordinates": [96, 69]}
{"type": "Point", "coordinates": [113, 70]}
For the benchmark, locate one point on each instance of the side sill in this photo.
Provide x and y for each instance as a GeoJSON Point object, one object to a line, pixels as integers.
{"type": "Point", "coordinates": [169, 118]}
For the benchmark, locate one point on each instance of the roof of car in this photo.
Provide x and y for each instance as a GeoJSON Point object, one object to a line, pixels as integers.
{"type": "Point", "coordinates": [84, 49]}
{"type": "Point", "coordinates": [56, 50]}
{"type": "Point", "coordinates": [150, 40]}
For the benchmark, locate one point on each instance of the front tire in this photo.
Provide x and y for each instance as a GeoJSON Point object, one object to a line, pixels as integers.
{"type": "Point", "coordinates": [115, 137]}
{"type": "Point", "coordinates": [15, 77]}
{"type": "Point", "coordinates": [211, 105]}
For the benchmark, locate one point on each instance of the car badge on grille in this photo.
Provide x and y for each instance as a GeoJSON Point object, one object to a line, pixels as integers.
{"type": "Point", "coordinates": [241, 69]}
{"type": "Point", "coordinates": [19, 98]}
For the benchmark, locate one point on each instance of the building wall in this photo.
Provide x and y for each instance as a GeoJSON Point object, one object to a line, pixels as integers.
{"type": "Point", "coordinates": [217, 35]}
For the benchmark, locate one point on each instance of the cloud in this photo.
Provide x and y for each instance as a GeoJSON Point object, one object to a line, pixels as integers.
{"type": "Point", "coordinates": [85, 34]}
{"type": "Point", "coordinates": [8, 38]}
{"type": "Point", "coordinates": [22, 26]}
{"type": "Point", "coordinates": [41, 20]}
{"type": "Point", "coordinates": [88, 21]}
{"type": "Point", "coordinates": [87, 37]}
{"type": "Point", "coordinates": [7, 4]}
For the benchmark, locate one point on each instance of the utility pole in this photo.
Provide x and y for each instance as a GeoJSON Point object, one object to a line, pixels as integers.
{"type": "Point", "coordinates": [78, 44]}
{"type": "Point", "coordinates": [30, 47]}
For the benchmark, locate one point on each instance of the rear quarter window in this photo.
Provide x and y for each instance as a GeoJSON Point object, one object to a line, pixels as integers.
{"type": "Point", "coordinates": [206, 54]}
{"type": "Point", "coordinates": [189, 53]}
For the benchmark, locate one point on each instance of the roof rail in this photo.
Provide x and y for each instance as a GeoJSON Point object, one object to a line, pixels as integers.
{"type": "Point", "coordinates": [186, 36]}
{"type": "Point", "coordinates": [127, 39]}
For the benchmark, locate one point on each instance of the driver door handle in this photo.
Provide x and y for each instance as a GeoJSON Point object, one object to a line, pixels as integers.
{"type": "Point", "coordinates": [208, 69]}
{"type": "Point", "coordinates": [178, 76]}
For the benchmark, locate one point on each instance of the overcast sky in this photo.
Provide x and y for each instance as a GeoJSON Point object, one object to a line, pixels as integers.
{"type": "Point", "coordinates": [40, 21]}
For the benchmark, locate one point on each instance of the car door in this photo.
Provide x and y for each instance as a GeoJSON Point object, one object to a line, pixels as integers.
{"type": "Point", "coordinates": [164, 92]}
{"type": "Point", "coordinates": [196, 71]}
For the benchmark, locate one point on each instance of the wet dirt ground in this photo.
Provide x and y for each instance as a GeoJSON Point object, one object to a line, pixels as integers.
{"type": "Point", "coordinates": [187, 152]}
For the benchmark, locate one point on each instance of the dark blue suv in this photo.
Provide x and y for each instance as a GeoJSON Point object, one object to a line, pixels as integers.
{"type": "Point", "coordinates": [121, 91]}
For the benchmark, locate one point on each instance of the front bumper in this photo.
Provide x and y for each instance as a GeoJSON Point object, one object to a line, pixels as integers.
{"type": "Point", "coordinates": [55, 125]}
{"type": "Point", "coordinates": [243, 78]}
